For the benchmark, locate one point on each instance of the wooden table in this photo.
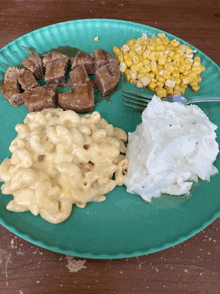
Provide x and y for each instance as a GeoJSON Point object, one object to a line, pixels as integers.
{"type": "Point", "coordinates": [190, 267]}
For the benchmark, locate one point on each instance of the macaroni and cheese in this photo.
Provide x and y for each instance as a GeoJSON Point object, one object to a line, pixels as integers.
{"type": "Point", "coordinates": [60, 158]}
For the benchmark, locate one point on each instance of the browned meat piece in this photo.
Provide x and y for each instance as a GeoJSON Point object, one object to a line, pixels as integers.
{"type": "Point", "coordinates": [27, 80]}
{"type": "Point", "coordinates": [12, 73]}
{"type": "Point", "coordinates": [34, 63]}
{"type": "Point", "coordinates": [11, 91]}
{"type": "Point", "coordinates": [39, 98]}
{"type": "Point", "coordinates": [56, 71]}
{"type": "Point", "coordinates": [107, 78]}
{"type": "Point", "coordinates": [84, 59]}
{"type": "Point", "coordinates": [79, 76]}
{"type": "Point", "coordinates": [51, 56]}
{"type": "Point", "coordinates": [102, 57]}
{"type": "Point", "coordinates": [79, 99]}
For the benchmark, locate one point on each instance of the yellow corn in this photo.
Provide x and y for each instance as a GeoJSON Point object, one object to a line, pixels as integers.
{"type": "Point", "coordinates": [152, 86]}
{"type": "Point", "coordinates": [169, 65]}
{"type": "Point", "coordinates": [128, 62]}
{"type": "Point", "coordinates": [116, 50]}
{"type": "Point", "coordinates": [175, 43]}
{"type": "Point", "coordinates": [161, 93]}
{"type": "Point", "coordinates": [196, 88]}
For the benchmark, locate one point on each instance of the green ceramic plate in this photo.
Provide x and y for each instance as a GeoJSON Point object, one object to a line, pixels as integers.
{"type": "Point", "coordinates": [124, 225]}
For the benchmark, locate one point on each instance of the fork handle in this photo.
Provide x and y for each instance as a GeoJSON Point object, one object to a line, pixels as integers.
{"type": "Point", "coordinates": [216, 99]}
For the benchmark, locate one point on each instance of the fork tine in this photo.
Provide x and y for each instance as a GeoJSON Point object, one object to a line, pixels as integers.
{"type": "Point", "coordinates": [135, 98]}
{"type": "Point", "coordinates": [138, 94]}
{"type": "Point", "coordinates": [136, 102]}
{"type": "Point", "coordinates": [134, 106]}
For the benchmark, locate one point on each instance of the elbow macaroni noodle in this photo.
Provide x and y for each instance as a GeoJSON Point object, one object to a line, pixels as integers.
{"type": "Point", "coordinates": [59, 159]}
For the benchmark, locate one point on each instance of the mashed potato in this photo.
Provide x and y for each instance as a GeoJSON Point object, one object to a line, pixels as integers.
{"type": "Point", "coordinates": [172, 147]}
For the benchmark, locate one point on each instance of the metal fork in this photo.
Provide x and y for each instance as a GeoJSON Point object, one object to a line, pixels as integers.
{"type": "Point", "coordinates": [139, 101]}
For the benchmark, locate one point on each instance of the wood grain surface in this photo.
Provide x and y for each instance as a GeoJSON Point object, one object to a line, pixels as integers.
{"type": "Point", "coordinates": [190, 267]}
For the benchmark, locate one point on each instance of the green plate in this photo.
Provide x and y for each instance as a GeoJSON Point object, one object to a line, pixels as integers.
{"type": "Point", "coordinates": [124, 225]}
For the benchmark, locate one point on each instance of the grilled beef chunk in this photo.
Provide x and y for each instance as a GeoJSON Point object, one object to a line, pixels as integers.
{"type": "Point", "coordinates": [84, 59]}
{"type": "Point", "coordinates": [56, 71]}
{"type": "Point", "coordinates": [79, 99]}
{"type": "Point", "coordinates": [51, 56]}
{"type": "Point", "coordinates": [79, 76]}
{"type": "Point", "coordinates": [39, 98]}
{"type": "Point", "coordinates": [107, 78]}
{"type": "Point", "coordinates": [11, 91]}
{"type": "Point", "coordinates": [34, 63]}
{"type": "Point", "coordinates": [102, 57]}
{"type": "Point", "coordinates": [27, 80]}
{"type": "Point", "coordinates": [13, 73]}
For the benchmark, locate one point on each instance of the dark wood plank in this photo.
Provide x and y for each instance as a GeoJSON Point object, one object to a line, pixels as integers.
{"type": "Point", "coordinates": [190, 267]}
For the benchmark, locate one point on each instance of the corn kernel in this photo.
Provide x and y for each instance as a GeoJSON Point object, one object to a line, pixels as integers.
{"type": "Point", "coordinates": [146, 61]}
{"type": "Point", "coordinates": [169, 90]}
{"type": "Point", "coordinates": [160, 78]}
{"type": "Point", "coordinates": [134, 67]}
{"type": "Point", "coordinates": [170, 83]}
{"type": "Point", "coordinates": [176, 92]}
{"type": "Point", "coordinates": [120, 59]}
{"type": "Point", "coordinates": [195, 88]}
{"type": "Point", "coordinates": [128, 62]}
{"type": "Point", "coordinates": [160, 48]}
{"type": "Point", "coordinates": [133, 81]}
{"type": "Point", "coordinates": [196, 69]}
{"type": "Point", "coordinates": [135, 59]}
{"type": "Point", "coordinates": [186, 80]}
{"type": "Point", "coordinates": [148, 69]}
{"type": "Point", "coordinates": [202, 68]}
{"type": "Point", "coordinates": [140, 76]}
{"type": "Point", "coordinates": [152, 86]}
{"type": "Point", "coordinates": [143, 70]}
{"type": "Point", "coordinates": [161, 93]}
{"type": "Point", "coordinates": [160, 85]}
{"type": "Point", "coordinates": [125, 48]}
{"type": "Point", "coordinates": [176, 88]}
{"type": "Point", "coordinates": [188, 67]}
{"type": "Point", "coordinates": [128, 77]}
{"type": "Point", "coordinates": [197, 58]}
{"type": "Point", "coordinates": [166, 41]}
{"type": "Point", "coordinates": [130, 43]}
{"type": "Point", "coordinates": [140, 64]}
{"type": "Point", "coordinates": [132, 54]}
{"type": "Point", "coordinates": [182, 90]}
{"type": "Point", "coordinates": [162, 60]}
{"type": "Point", "coordinates": [185, 73]}
{"type": "Point", "coordinates": [169, 59]}
{"type": "Point", "coordinates": [199, 79]}
{"type": "Point", "coordinates": [146, 54]}
{"type": "Point", "coordinates": [150, 47]}
{"type": "Point", "coordinates": [145, 81]}
{"type": "Point", "coordinates": [176, 74]}
{"type": "Point", "coordinates": [178, 81]}
{"type": "Point", "coordinates": [123, 67]}
{"type": "Point", "coordinates": [133, 74]}
{"type": "Point", "coordinates": [166, 74]}
{"type": "Point", "coordinates": [169, 68]}
{"type": "Point", "coordinates": [127, 71]}
{"type": "Point", "coordinates": [175, 43]}
{"type": "Point", "coordinates": [193, 83]}
{"type": "Point", "coordinates": [115, 50]}
{"type": "Point", "coordinates": [151, 75]}
{"type": "Point", "coordinates": [139, 84]}
{"type": "Point", "coordinates": [171, 54]}
{"type": "Point", "coordinates": [193, 75]}
{"type": "Point", "coordinates": [126, 56]}
{"type": "Point", "coordinates": [181, 69]}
